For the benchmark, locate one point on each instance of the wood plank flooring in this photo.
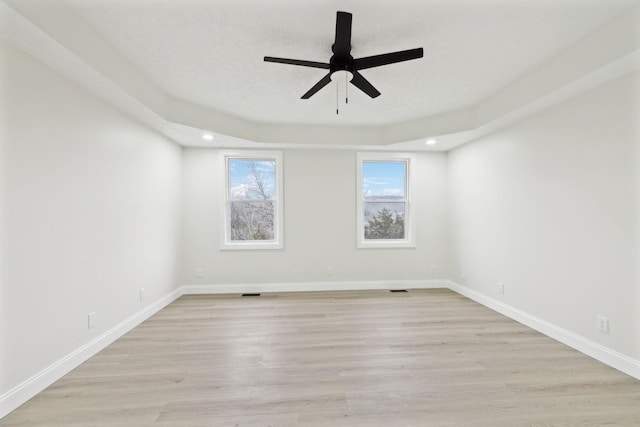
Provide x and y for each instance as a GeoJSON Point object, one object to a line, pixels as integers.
{"type": "Point", "coordinates": [366, 358]}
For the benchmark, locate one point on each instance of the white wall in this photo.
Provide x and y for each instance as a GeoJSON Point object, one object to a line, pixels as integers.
{"type": "Point", "coordinates": [91, 213]}
{"type": "Point", "coordinates": [550, 207]}
{"type": "Point", "coordinates": [319, 230]}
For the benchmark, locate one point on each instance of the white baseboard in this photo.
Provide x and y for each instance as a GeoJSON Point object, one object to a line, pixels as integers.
{"type": "Point", "coordinates": [312, 286]}
{"type": "Point", "coordinates": [18, 395]}
{"type": "Point", "coordinates": [24, 391]}
{"type": "Point", "coordinates": [599, 352]}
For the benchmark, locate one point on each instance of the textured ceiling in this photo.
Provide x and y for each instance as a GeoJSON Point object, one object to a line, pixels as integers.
{"type": "Point", "coordinates": [210, 53]}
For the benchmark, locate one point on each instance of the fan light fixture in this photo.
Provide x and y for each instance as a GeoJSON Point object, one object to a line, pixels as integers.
{"type": "Point", "coordinates": [207, 137]}
{"type": "Point", "coordinates": [430, 141]}
{"type": "Point", "coordinates": [341, 76]}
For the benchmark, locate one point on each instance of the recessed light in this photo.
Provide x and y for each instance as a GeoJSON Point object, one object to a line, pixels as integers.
{"type": "Point", "coordinates": [207, 136]}
{"type": "Point", "coordinates": [430, 142]}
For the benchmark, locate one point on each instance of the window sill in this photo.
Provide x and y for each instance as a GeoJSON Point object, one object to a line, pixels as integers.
{"type": "Point", "coordinates": [385, 245]}
{"type": "Point", "coordinates": [251, 246]}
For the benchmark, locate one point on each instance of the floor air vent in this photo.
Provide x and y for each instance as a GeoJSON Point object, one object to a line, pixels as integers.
{"type": "Point", "coordinates": [250, 295]}
{"type": "Point", "coordinates": [398, 290]}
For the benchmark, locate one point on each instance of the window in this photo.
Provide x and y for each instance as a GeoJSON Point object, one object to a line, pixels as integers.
{"type": "Point", "coordinates": [252, 199]}
{"type": "Point", "coordinates": [384, 200]}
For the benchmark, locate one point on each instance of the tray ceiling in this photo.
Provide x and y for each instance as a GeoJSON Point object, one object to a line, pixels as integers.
{"type": "Point", "coordinates": [210, 53]}
{"type": "Point", "coordinates": [185, 67]}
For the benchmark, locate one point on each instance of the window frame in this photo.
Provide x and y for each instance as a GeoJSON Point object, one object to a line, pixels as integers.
{"type": "Point", "coordinates": [409, 216]}
{"type": "Point", "coordinates": [278, 223]}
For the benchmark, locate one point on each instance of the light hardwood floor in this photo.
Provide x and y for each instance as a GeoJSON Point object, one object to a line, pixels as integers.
{"type": "Point", "coordinates": [366, 358]}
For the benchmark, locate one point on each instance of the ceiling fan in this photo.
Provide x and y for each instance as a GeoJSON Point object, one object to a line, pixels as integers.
{"type": "Point", "coordinates": [343, 66]}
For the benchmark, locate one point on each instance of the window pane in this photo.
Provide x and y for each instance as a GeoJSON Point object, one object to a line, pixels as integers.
{"type": "Point", "coordinates": [252, 179]}
{"type": "Point", "coordinates": [384, 180]}
{"type": "Point", "coordinates": [384, 220]}
{"type": "Point", "coordinates": [252, 220]}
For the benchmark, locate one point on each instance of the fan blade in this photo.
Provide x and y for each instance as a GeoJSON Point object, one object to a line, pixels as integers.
{"type": "Point", "coordinates": [297, 62]}
{"type": "Point", "coordinates": [342, 44]}
{"type": "Point", "coordinates": [322, 83]}
{"type": "Point", "coordinates": [364, 85]}
{"type": "Point", "coordinates": [387, 58]}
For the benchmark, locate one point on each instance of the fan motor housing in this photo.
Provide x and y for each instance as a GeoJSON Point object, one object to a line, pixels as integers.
{"type": "Point", "coordinates": [341, 63]}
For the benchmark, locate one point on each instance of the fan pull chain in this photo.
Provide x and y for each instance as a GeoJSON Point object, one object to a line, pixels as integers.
{"type": "Point", "coordinates": [337, 103]}
{"type": "Point", "coordinates": [346, 89]}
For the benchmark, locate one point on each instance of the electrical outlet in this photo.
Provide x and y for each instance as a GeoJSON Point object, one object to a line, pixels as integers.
{"type": "Point", "coordinates": [199, 273]}
{"type": "Point", "coordinates": [91, 320]}
{"type": "Point", "coordinates": [501, 288]}
{"type": "Point", "coordinates": [141, 294]}
{"type": "Point", "coordinates": [603, 324]}
{"type": "Point", "coordinates": [433, 269]}
{"type": "Point", "coordinates": [464, 274]}
{"type": "Point", "coordinates": [329, 271]}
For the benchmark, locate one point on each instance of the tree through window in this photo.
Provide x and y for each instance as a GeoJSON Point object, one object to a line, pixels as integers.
{"type": "Point", "coordinates": [383, 200]}
{"type": "Point", "coordinates": [253, 200]}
